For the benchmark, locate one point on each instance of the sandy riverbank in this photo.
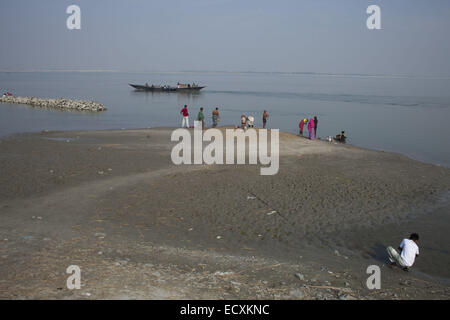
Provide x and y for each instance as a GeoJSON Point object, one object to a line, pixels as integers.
{"type": "Point", "coordinates": [113, 203]}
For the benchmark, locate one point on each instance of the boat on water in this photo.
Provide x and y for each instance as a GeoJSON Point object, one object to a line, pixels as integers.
{"type": "Point", "coordinates": [179, 88]}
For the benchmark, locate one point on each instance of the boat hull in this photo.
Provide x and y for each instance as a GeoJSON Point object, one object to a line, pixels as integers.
{"type": "Point", "coordinates": [161, 89]}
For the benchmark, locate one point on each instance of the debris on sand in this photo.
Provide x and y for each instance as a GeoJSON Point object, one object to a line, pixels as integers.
{"type": "Point", "coordinates": [298, 294]}
{"type": "Point", "coordinates": [220, 273]}
{"type": "Point", "coordinates": [300, 276]}
{"type": "Point", "coordinates": [100, 235]}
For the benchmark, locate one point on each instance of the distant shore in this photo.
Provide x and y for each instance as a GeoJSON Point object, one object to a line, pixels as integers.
{"type": "Point", "coordinates": [297, 73]}
{"type": "Point", "coordinates": [138, 226]}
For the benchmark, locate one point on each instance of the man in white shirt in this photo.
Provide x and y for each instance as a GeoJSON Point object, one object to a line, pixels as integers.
{"type": "Point", "coordinates": [408, 252]}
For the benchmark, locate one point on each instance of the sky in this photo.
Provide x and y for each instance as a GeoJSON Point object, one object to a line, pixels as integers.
{"type": "Point", "coordinates": [324, 36]}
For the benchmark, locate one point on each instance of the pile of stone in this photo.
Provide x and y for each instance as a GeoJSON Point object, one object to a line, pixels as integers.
{"type": "Point", "coordinates": [62, 104]}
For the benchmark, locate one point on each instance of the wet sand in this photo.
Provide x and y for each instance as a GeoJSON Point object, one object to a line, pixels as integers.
{"type": "Point", "coordinates": [140, 227]}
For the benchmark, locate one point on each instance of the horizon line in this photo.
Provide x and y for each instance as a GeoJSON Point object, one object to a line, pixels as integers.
{"type": "Point", "coordinates": [226, 72]}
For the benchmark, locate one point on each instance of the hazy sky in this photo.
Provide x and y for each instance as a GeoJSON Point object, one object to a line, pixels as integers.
{"type": "Point", "coordinates": [232, 35]}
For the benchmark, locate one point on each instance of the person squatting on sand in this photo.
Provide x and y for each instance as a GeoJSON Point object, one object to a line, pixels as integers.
{"type": "Point", "coordinates": [215, 117]}
{"type": "Point", "coordinates": [341, 136]}
{"type": "Point", "coordinates": [265, 116]}
{"type": "Point", "coordinates": [185, 114]}
{"type": "Point", "coordinates": [311, 128]}
{"type": "Point", "coordinates": [408, 252]}
{"type": "Point", "coordinates": [243, 122]}
{"type": "Point", "coordinates": [201, 117]}
{"type": "Point", "coordinates": [250, 122]}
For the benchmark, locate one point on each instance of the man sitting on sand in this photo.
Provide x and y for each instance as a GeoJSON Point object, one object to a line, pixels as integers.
{"type": "Point", "coordinates": [341, 137]}
{"type": "Point", "coordinates": [408, 252]}
{"type": "Point", "coordinates": [250, 121]}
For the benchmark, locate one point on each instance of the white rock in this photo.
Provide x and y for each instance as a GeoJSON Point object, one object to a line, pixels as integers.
{"type": "Point", "coordinates": [300, 276]}
{"type": "Point", "coordinates": [297, 294]}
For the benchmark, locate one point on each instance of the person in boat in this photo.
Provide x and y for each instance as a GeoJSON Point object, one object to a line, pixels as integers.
{"type": "Point", "coordinates": [201, 117]}
{"type": "Point", "coordinates": [185, 114]}
{"type": "Point", "coordinates": [265, 116]}
{"type": "Point", "coordinates": [341, 137]}
{"type": "Point", "coordinates": [215, 117]}
{"type": "Point", "coordinates": [315, 126]}
{"type": "Point", "coordinates": [311, 128]}
{"type": "Point", "coordinates": [146, 84]}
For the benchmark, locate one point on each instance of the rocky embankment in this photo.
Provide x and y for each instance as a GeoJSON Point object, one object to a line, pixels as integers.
{"type": "Point", "coordinates": [61, 103]}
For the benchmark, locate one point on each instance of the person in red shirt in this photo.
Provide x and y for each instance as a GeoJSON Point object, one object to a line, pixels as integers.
{"type": "Point", "coordinates": [185, 114]}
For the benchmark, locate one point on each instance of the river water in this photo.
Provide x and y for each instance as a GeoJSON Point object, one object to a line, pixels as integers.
{"type": "Point", "coordinates": [407, 115]}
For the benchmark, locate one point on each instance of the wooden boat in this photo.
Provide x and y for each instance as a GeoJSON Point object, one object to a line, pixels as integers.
{"type": "Point", "coordinates": [166, 88]}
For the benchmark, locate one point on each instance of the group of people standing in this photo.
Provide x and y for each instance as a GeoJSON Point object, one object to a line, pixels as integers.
{"type": "Point", "coordinates": [249, 121]}
{"type": "Point", "coordinates": [311, 125]}
{"type": "Point", "coordinates": [200, 117]}
{"type": "Point", "coordinates": [246, 121]}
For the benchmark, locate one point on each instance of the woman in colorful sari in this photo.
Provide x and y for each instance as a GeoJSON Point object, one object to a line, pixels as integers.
{"type": "Point", "coordinates": [302, 124]}
{"type": "Point", "coordinates": [311, 128]}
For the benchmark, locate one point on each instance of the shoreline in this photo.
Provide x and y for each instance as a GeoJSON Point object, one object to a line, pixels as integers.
{"type": "Point", "coordinates": [408, 156]}
{"type": "Point", "coordinates": [112, 198]}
